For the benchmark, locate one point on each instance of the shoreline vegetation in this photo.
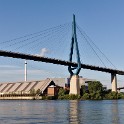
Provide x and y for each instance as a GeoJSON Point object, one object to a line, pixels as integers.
{"type": "Point", "coordinates": [94, 91]}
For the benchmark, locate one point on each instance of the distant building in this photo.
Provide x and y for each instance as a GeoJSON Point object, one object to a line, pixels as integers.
{"type": "Point", "coordinates": [28, 87]}
{"type": "Point", "coordinates": [59, 81]}
{"type": "Point", "coordinates": [82, 81]}
{"type": "Point", "coordinates": [47, 87]}
{"type": "Point", "coordinates": [52, 90]}
{"type": "Point", "coordinates": [104, 87]}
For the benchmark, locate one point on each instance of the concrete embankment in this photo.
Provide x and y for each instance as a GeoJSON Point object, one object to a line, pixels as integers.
{"type": "Point", "coordinates": [20, 98]}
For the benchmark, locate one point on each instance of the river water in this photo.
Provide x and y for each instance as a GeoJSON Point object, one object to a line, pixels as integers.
{"type": "Point", "coordinates": [61, 112]}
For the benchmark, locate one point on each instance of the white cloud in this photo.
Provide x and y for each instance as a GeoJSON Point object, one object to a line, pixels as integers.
{"type": "Point", "coordinates": [43, 52]}
{"type": "Point", "coordinates": [9, 66]}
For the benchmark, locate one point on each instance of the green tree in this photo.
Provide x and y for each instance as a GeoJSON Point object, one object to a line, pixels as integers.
{"type": "Point", "coordinates": [61, 92]}
{"type": "Point", "coordinates": [38, 91]}
{"type": "Point", "coordinates": [85, 96]}
{"type": "Point", "coordinates": [121, 95]}
{"type": "Point", "coordinates": [98, 95]}
{"type": "Point", "coordinates": [95, 86]}
{"type": "Point", "coordinates": [92, 95]}
{"type": "Point", "coordinates": [82, 90]}
{"type": "Point", "coordinates": [32, 92]}
{"type": "Point", "coordinates": [95, 90]}
{"type": "Point", "coordinates": [112, 95]}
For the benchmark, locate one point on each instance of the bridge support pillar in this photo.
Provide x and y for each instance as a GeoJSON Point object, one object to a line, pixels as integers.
{"type": "Point", "coordinates": [74, 85]}
{"type": "Point", "coordinates": [114, 82]}
{"type": "Point", "coordinates": [118, 91]}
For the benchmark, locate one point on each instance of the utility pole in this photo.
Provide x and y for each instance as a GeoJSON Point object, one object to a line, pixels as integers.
{"type": "Point", "coordinates": [25, 70]}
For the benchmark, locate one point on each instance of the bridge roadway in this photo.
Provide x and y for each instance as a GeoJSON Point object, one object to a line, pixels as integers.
{"type": "Point", "coordinates": [119, 88]}
{"type": "Point", "coordinates": [57, 61]}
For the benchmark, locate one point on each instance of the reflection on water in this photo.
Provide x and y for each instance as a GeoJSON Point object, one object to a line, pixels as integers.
{"type": "Point", "coordinates": [74, 112]}
{"type": "Point", "coordinates": [115, 112]}
{"type": "Point", "coordinates": [61, 112]}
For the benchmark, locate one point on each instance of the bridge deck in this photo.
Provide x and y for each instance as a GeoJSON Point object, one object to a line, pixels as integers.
{"type": "Point", "coordinates": [57, 61]}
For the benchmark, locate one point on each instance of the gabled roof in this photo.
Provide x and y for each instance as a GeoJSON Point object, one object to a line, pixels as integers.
{"type": "Point", "coordinates": [24, 86]}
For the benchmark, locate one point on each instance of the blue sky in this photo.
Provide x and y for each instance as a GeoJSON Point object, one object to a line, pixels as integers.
{"type": "Point", "coordinates": [102, 20]}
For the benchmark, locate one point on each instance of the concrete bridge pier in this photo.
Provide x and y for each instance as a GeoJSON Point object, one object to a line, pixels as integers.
{"type": "Point", "coordinates": [114, 82]}
{"type": "Point", "coordinates": [74, 85]}
{"type": "Point", "coordinates": [118, 90]}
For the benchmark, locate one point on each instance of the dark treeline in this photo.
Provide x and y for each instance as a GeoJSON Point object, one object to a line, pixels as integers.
{"type": "Point", "coordinates": [94, 91]}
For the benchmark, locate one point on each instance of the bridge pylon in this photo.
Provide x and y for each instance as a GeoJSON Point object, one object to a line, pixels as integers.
{"type": "Point", "coordinates": [114, 82]}
{"type": "Point", "coordinates": [74, 77]}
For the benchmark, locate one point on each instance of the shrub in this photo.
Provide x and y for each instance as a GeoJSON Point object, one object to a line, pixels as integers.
{"type": "Point", "coordinates": [85, 96]}
{"type": "Point", "coordinates": [120, 95]}
{"type": "Point", "coordinates": [69, 97]}
{"type": "Point", "coordinates": [38, 91]}
{"type": "Point", "coordinates": [83, 90]}
{"type": "Point", "coordinates": [73, 97]}
{"type": "Point", "coordinates": [32, 92]}
{"type": "Point", "coordinates": [61, 92]}
{"type": "Point", "coordinates": [49, 97]}
{"type": "Point", "coordinates": [112, 95]}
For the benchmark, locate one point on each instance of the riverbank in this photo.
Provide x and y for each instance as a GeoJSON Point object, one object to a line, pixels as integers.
{"type": "Point", "coordinates": [62, 96]}
{"type": "Point", "coordinates": [21, 98]}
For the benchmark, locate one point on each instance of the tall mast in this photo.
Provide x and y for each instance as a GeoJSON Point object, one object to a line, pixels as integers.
{"type": "Point", "coordinates": [74, 43]}
{"type": "Point", "coordinates": [25, 70]}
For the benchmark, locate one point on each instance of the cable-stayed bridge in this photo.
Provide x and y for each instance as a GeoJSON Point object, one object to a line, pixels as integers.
{"type": "Point", "coordinates": [57, 61]}
{"type": "Point", "coordinates": [26, 47]}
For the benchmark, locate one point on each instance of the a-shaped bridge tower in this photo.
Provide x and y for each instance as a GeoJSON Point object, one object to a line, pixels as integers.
{"type": "Point", "coordinates": [74, 77]}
